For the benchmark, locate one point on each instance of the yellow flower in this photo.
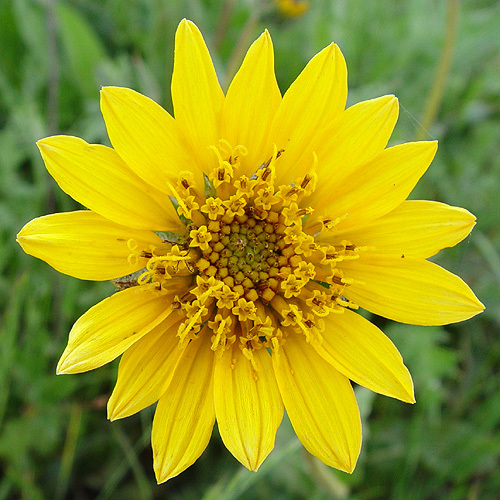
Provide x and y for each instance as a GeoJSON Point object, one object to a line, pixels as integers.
{"type": "Point", "coordinates": [256, 225]}
{"type": "Point", "coordinates": [293, 8]}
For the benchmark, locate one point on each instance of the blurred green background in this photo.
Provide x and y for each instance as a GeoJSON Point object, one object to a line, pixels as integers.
{"type": "Point", "coordinates": [55, 441]}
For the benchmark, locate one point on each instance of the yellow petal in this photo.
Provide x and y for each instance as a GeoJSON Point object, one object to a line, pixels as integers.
{"type": "Point", "coordinates": [377, 187]}
{"type": "Point", "coordinates": [145, 370]}
{"type": "Point", "coordinates": [320, 403]}
{"type": "Point", "coordinates": [185, 414]}
{"type": "Point", "coordinates": [146, 138]}
{"type": "Point", "coordinates": [99, 179]}
{"type": "Point", "coordinates": [316, 97]}
{"type": "Point", "coordinates": [85, 245]}
{"type": "Point", "coordinates": [251, 103]}
{"type": "Point", "coordinates": [359, 350]}
{"type": "Point", "coordinates": [248, 404]}
{"type": "Point", "coordinates": [110, 327]}
{"type": "Point", "coordinates": [359, 134]}
{"type": "Point", "coordinates": [196, 94]}
{"type": "Point", "coordinates": [414, 229]}
{"type": "Point", "coordinates": [409, 290]}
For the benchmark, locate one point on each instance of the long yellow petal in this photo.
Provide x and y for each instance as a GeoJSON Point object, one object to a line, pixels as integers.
{"type": "Point", "coordinates": [145, 370]}
{"type": "Point", "coordinates": [359, 350]}
{"type": "Point", "coordinates": [85, 245]}
{"type": "Point", "coordinates": [358, 135]}
{"type": "Point", "coordinates": [417, 229]}
{"type": "Point", "coordinates": [316, 97]}
{"type": "Point", "coordinates": [409, 290]}
{"type": "Point", "coordinates": [377, 187]}
{"type": "Point", "coordinates": [196, 94]}
{"type": "Point", "coordinates": [146, 138]}
{"type": "Point", "coordinates": [185, 414]}
{"type": "Point", "coordinates": [99, 179]}
{"type": "Point", "coordinates": [320, 403]}
{"type": "Point", "coordinates": [251, 103]}
{"type": "Point", "coordinates": [110, 327]}
{"type": "Point", "coordinates": [248, 404]}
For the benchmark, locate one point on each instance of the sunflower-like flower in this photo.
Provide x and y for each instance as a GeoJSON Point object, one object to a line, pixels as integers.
{"type": "Point", "coordinates": [243, 235]}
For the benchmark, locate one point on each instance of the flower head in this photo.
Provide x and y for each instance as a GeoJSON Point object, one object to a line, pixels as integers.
{"type": "Point", "coordinates": [255, 225]}
{"type": "Point", "coordinates": [293, 8]}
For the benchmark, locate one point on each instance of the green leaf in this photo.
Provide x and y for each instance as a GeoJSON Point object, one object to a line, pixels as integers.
{"type": "Point", "coordinates": [11, 43]}
{"type": "Point", "coordinates": [31, 23]}
{"type": "Point", "coordinates": [82, 48]}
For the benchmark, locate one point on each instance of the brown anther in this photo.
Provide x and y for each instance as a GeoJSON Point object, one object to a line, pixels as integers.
{"type": "Point", "coordinates": [305, 181]}
{"type": "Point", "coordinates": [146, 255]}
{"type": "Point", "coordinates": [268, 162]}
{"type": "Point", "coordinates": [338, 280]}
{"type": "Point", "coordinates": [267, 171]}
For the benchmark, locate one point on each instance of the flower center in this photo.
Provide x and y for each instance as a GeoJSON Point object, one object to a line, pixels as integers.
{"type": "Point", "coordinates": [249, 267]}
{"type": "Point", "coordinates": [249, 252]}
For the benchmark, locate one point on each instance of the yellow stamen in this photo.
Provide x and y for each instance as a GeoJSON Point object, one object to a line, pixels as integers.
{"type": "Point", "coordinates": [188, 327]}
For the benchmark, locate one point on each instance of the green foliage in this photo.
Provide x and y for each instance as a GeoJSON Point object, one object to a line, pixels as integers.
{"type": "Point", "coordinates": [55, 441]}
{"type": "Point", "coordinates": [82, 47]}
